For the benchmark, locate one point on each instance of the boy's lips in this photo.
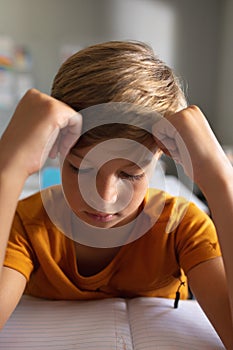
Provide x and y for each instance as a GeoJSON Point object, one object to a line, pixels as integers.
{"type": "Point", "coordinates": [101, 217]}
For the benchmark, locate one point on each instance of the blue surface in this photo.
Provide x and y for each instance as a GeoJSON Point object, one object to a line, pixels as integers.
{"type": "Point", "coordinates": [50, 176]}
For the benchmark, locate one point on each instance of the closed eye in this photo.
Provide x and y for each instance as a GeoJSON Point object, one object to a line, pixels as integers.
{"type": "Point", "coordinates": [76, 170]}
{"type": "Point", "coordinates": [132, 177]}
{"type": "Point", "coordinates": [123, 175]}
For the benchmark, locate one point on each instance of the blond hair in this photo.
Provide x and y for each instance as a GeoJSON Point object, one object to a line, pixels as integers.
{"type": "Point", "coordinates": [118, 71]}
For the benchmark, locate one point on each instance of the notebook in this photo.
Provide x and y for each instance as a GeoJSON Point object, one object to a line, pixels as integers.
{"type": "Point", "coordinates": [108, 324]}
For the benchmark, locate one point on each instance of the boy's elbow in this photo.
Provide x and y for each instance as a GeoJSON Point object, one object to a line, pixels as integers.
{"type": "Point", "coordinates": [12, 285]}
{"type": "Point", "coordinates": [3, 322]}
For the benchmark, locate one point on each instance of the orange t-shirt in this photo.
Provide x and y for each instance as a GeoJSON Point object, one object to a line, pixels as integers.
{"type": "Point", "coordinates": [152, 265]}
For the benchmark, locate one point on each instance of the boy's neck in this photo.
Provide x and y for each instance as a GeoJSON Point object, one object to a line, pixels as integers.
{"type": "Point", "coordinates": [91, 260]}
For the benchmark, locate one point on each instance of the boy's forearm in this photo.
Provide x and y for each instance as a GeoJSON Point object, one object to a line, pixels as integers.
{"type": "Point", "coordinates": [11, 184]}
{"type": "Point", "coordinates": [219, 194]}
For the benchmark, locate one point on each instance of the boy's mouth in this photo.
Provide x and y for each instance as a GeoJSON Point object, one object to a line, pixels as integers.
{"type": "Point", "coordinates": [101, 217]}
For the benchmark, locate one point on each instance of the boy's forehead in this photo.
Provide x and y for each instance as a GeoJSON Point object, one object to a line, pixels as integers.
{"type": "Point", "coordinates": [121, 113]}
{"type": "Point", "coordinates": [116, 148]}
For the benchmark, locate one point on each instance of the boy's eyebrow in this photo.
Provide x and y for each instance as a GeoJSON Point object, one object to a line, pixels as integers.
{"type": "Point", "coordinates": [143, 163]}
{"type": "Point", "coordinates": [75, 153]}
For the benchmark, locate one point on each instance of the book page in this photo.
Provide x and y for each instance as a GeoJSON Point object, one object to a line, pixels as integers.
{"type": "Point", "coordinates": [39, 324]}
{"type": "Point", "coordinates": [155, 324]}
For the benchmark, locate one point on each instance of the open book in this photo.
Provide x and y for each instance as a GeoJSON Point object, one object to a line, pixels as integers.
{"type": "Point", "coordinates": [109, 324]}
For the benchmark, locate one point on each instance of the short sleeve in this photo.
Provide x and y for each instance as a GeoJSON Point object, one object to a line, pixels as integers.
{"type": "Point", "coordinates": [196, 239]}
{"type": "Point", "coordinates": [19, 254]}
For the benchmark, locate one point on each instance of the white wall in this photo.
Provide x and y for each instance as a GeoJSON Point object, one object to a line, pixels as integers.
{"type": "Point", "coordinates": [44, 26]}
{"type": "Point", "coordinates": [224, 122]}
{"type": "Point", "coordinates": [153, 22]}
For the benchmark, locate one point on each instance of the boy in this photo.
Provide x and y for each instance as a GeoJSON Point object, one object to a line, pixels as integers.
{"type": "Point", "coordinates": [41, 258]}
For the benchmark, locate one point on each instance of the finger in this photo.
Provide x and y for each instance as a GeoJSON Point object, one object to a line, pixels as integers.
{"type": "Point", "coordinates": [66, 143]}
{"type": "Point", "coordinates": [166, 135]}
{"type": "Point", "coordinates": [54, 150]}
{"type": "Point", "coordinates": [69, 133]}
{"type": "Point", "coordinates": [74, 123]}
{"type": "Point", "coordinates": [163, 129]}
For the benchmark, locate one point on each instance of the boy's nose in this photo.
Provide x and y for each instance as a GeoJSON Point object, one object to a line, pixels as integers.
{"type": "Point", "coordinates": [107, 188]}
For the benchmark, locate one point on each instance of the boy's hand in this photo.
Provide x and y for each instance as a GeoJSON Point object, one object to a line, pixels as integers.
{"type": "Point", "coordinates": [40, 127]}
{"type": "Point", "coordinates": [187, 137]}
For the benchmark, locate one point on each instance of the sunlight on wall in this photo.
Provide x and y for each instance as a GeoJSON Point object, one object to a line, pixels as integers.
{"type": "Point", "coordinates": [150, 21]}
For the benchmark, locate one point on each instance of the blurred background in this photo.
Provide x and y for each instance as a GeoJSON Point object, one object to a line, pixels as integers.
{"type": "Point", "coordinates": [194, 37]}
